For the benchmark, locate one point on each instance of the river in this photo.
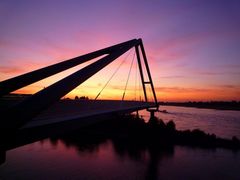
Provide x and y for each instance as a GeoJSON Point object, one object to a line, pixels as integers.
{"type": "Point", "coordinates": [107, 159]}
{"type": "Point", "coordinates": [223, 123]}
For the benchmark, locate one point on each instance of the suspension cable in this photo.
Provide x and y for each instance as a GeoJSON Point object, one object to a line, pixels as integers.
{"type": "Point", "coordinates": [128, 76]}
{"type": "Point", "coordinates": [113, 74]}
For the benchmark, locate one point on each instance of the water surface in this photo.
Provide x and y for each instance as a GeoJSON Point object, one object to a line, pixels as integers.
{"type": "Point", "coordinates": [223, 123]}
{"type": "Point", "coordinates": [99, 158]}
{"type": "Point", "coordinates": [56, 160]}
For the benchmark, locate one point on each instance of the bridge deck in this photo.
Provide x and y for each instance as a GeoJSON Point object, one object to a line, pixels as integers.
{"type": "Point", "coordinates": [68, 110]}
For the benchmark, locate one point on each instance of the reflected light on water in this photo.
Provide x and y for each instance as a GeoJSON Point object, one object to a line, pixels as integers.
{"type": "Point", "coordinates": [223, 123]}
{"type": "Point", "coordinates": [110, 160]}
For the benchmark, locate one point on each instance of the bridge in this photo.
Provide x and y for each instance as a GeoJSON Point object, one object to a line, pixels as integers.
{"type": "Point", "coordinates": [44, 111]}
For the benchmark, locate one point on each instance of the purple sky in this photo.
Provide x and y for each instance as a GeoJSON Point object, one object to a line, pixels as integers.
{"type": "Point", "coordinates": [193, 46]}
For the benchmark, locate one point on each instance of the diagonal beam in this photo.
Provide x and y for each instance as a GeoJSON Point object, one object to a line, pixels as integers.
{"type": "Point", "coordinates": [26, 110]}
{"type": "Point", "coordinates": [141, 72]}
{"type": "Point", "coordinates": [148, 72]}
{"type": "Point", "coordinates": [18, 82]}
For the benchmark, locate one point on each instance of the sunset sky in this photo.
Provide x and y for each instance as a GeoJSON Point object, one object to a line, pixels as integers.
{"type": "Point", "coordinates": [193, 47]}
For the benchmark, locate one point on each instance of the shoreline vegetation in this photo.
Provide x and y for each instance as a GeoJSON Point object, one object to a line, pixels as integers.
{"type": "Point", "coordinates": [133, 131]}
{"type": "Point", "coordinates": [218, 105]}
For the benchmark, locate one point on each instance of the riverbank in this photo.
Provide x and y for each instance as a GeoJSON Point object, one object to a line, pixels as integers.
{"type": "Point", "coordinates": [133, 130]}
{"type": "Point", "coordinates": [218, 105]}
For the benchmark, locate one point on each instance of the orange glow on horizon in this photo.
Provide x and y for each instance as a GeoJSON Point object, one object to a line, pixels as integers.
{"type": "Point", "coordinates": [171, 95]}
{"type": "Point", "coordinates": [114, 90]}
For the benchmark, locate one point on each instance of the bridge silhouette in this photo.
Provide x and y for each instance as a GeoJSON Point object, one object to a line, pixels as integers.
{"type": "Point", "coordinates": [44, 108]}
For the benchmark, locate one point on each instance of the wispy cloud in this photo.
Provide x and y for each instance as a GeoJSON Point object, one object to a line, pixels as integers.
{"type": "Point", "coordinates": [216, 72]}
{"type": "Point", "coordinates": [176, 48]}
{"type": "Point", "coordinates": [11, 69]}
{"type": "Point", "coordinates": [228, 86]}
{"type": "Point", "coordinates": [222, 92]}
{"type": "Point", "coordinates": [181, 89]}
{"type": "Point", "coordinates": [171, 77]}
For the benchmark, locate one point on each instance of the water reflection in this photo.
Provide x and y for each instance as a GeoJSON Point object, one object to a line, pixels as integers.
{"type": "Point", "coordinates": [81, 143]}
{"type": "Point", "coordinates": [150, 154]}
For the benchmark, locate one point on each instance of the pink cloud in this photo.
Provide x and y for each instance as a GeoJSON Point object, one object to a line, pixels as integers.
{"type": "Point", "coordinates": [228, 86]}
{"type": "Point", "coordinates": [176, 48]}
{"type": "Point", "coordinates": [223, 92]}
{"type": "Point", "coordinates": [11, 69]}
{"type": "Point", "coordinates": [216, 72]}
{"type": "Point", "coordinates": [172, 77]}
{"type": "Point", "coordinates": [181, 89]}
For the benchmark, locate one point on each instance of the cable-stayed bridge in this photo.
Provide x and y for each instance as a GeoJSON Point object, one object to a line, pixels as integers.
{"type": "Point", "coordinates": [45, 109]}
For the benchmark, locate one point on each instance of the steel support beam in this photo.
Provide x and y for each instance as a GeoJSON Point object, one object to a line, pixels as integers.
{"type": "Point", "coordinates": [148, 72]}
{"type": "Point", "coordinates": [141, 72]}
{"type": "Point", "coordinates": [18, 82]}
